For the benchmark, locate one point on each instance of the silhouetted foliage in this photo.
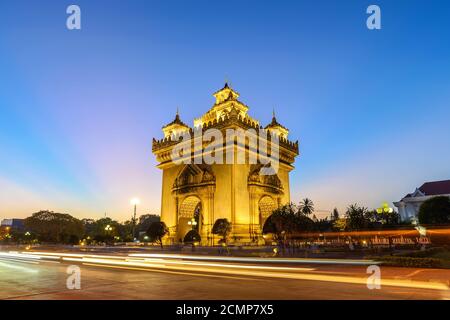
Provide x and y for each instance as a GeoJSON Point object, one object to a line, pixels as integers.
{"type": "Point", "coordinates": [55, 227]}
{"type": "Point", "coordinates": [146, 220]}
{"type": "Point", "coordinates": [222, 227]}
{"type": "Point", "coordinates": [306, 207]}
{"type": "Point", "coordinates": [286, 221]}
{"type": "Point", "coordinates": [192, 236]}
{"type": "Point", "coordinates": [435, 210]}
{"type": "Point", "coordinates": [335, 214]}
{"type": "Point", "coordinates": [156, 231]}
{"type": "Point", "coordinates": [377, 219]}
{"type": "Point", "coordinates": [356, 217]}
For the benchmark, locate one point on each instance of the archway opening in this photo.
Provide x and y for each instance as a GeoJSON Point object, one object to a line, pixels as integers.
{"type": "Point", "coordinates": [266, 207]}
{"type": "Point", "coordinates": [189, 217]}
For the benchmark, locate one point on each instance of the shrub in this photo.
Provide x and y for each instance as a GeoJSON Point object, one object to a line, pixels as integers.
{"type": "Point", "coordinates": [191, 237]}
{"type": "Point", "coordinates": [435, 210]}
{"type": "Point", "coordinates": [409, 262]}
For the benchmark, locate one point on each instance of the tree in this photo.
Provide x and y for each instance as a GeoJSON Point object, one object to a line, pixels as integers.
{"type": "Point", "coordinates": [335, 214]}
{"type": "Point", "coordinates": [356, 217]}
{"type": "Point", "coordinates": [55, 227]}
{"type": "Point", "coordinates": [191, 237]}
{"type": "Point", "coordinates": [89, 227]}
{"type": "Point", "coordinates": [323, 225]}
{"type": "Point", "coordinates": [340, 224]}
{"type": "Point", "coordinates": [435, 210]}
{"type": "Point", "coordinates": [392, 218]}
{"type": "Point", "coordinates": [4, 233]}
{"type": "Point", "coordinates": [105, 230]}
{"type": "Point", "coordinates": [285, 221]}
{"type": "Point", "coordinates": [222, 227]}
{"type": "Point", "coordinates": [380, 217]}
{"type": "Point", "coordinates": [146, 220]}
{"type": "Point", "coordinates": [156, 231]}
{"type": "Point", "coordinates": [306, 207]}
{"type": "Point", "coordinates": [125, 231]}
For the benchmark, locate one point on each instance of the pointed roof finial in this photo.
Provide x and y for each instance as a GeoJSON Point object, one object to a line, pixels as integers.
{"type": "Point", "coordinates": [177, 120]}
{"type": "Point", "coordinates": [274, 122]}
{"type": "Point", "coordinates": [227, 82]}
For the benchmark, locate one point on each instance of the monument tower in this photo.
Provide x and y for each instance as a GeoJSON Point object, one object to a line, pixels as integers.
{"type": "Point", "coordinates": [196, 192]}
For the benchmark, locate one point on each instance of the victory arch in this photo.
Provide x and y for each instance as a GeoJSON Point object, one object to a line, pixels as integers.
{"type": "Point", "coordinates": [196, 194]}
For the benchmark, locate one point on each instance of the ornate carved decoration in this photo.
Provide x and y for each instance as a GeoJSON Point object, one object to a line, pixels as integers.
{"type": "Point", "coordinates": [192, 177]}
{"type": "Point", "coordinates": [270, 183]}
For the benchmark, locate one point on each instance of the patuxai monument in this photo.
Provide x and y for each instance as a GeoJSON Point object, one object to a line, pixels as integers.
{"type": "Point", "coordinates": [226, 166]}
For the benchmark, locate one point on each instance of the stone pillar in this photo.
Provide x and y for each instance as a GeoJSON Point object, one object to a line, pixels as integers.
{"type": "Point", "coordinates": [253, 215]}
{"type": "Point", "coordinates": [401, 210]}
{"type": "Point", "coordinates": [208, 217]}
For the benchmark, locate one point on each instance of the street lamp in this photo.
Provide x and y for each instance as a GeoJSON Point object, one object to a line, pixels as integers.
{"type": "Point", "coordinates": [28, 234]}
{"type": "Point", "coordinates": [108, 228]}
{"type": "Point", "coordinates": [192, 223]}
{"type": "Point", "coordinates": [134, 202]}
{"type": "Point", "coordinates": [385, 209]}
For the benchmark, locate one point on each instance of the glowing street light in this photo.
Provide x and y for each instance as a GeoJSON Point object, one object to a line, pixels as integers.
{"type": "Point", "coordinates": [108, 228]}
{"type": "Point", "coordinates": [385, 209]}
{"type": "Point", "coordinates": [192, 223]}
{"type": "Point", "coordinates": [135, 201]}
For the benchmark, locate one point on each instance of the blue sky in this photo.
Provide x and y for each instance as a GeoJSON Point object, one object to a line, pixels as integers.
{"type": "Point", "coordinates": [78, 109]}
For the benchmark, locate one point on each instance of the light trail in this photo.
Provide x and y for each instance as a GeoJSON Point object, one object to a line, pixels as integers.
{"type": "Point", "coordinates": [15, 254]}
{"type": "Point", "coordinates": [173, 272]}
{"type": "Point", "coordinates": [18, 260]}
{"type": "Point", "coordinates": [217, 258]}
{"type": "Point", "coordinates": [74, 255]}
{"type": "Point", "coordinates": [257, 260]}
{"type": "Point", "coordinates": [293, 276]}
{"type": "Point", "coordinates": [177, 264]}
{"type": "Point", "coordinates": [16, 267]}
{"type": "Point", "coordinates": [185, 263]}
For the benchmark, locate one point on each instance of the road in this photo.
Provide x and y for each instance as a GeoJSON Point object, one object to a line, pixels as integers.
{"type": "Point", "coordinates": [43, 275]}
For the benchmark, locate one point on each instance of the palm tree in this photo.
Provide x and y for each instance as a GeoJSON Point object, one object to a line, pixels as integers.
{"type": "Point", "coordinates": [306, 207]}
{"type": "Point", "coordinates": [335, 214]}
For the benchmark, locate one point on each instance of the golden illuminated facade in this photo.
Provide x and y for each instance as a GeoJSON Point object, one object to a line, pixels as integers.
{"type": "Point", "coordinates": [201, 191]}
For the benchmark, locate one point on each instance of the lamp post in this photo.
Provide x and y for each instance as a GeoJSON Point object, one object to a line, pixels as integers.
{"type": "Point", "coordinates": [192, 223]}
{"type": "Point", "coordinates": [108, 228]}
{"type": "Point", "coordinates": [134, 202]}
{"type": "Point", "coordinates": [385, 210]}
{"type": "Point", "coordinates": [28, 234]}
